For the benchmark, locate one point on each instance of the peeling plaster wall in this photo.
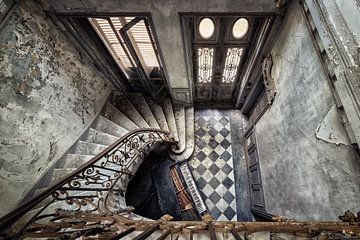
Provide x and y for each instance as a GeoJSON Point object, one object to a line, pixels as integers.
{"type": "Point", "coordinates": [48, 93]}
{"type": "Point", "coordinates": [309, 171]}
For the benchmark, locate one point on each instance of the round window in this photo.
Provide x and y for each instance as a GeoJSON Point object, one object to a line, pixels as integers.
{"type": "Point", "coordinates": [206, 28]}
{"type": "Point", "coordinates": [240, 28]}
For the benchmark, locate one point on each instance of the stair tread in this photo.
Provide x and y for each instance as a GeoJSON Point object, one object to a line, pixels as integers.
{"type": "Point", "coordinates": [59, 174]}
{"type": "Point", "coordinates": [179, 113]}
{"type": "Point", "coordinates": [41, 190]}
{"type": "Point", "coordinates": [170, 118]}
{"type": "Point", "coordinates": [107, 126]}
{"type": "Point", "coordinates": [76, 160]}
{"type": "Point", "coordinates": [116, 116]}
{"type": "Point", "coordinates": [124, 105]}
{"type": "Point", "coordinates": [38, 191]}
{"type": "Point", "coordinates": [158, 113]}
{"type": "Point", "coordinates": [139, 102]}
{"type": "Point", "coordinates": [96, 136]}
{"type": "Point", "coordinates": [88, 148]}
{"type": "Point", "coordinates": [190, 137]}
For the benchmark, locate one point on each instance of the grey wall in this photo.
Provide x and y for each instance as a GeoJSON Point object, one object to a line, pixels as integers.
{"type": "Point", "coordinates": [48, 93]}
{"type": "Point", "coordinates": [309, 170]}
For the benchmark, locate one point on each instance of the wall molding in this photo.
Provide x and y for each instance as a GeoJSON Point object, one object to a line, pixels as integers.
{"type": "Point", "coordinates": [340, 52]}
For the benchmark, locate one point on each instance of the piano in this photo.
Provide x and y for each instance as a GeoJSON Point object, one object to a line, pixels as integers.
{"type": "Point", "coordinates": [195, 195]}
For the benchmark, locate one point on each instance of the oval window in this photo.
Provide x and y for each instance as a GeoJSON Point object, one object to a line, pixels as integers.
{"type": "Point", "coordinates": [206, 28]}
{"type": "Point", "coordinates": [240, 28]}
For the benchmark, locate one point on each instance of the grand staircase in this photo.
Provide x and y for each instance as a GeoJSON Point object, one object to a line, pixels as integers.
{"type": "Point", "coordinates": [120, 115]}
{"type": "Point", "coordinates": [83, 196]}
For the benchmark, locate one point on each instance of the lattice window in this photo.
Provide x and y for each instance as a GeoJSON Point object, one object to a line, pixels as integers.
{"type": "Point", "coordinates": [233, 57]}
{"type": "Point", "coordinates": [139, 38]}
{"type": "Point", "coordinates": [111, 40]}
{"type": "Point", "coordinates": [205, 70]}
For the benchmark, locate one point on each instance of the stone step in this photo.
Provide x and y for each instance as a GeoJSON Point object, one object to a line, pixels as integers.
{"type": "Point", "coordinates": [95, 136]}
{"type": "Point", "coordinates": [170, 118]}
{"type": "Point", "coordinates": [122, 103]}
{"type": "Point", "coordinates": [179, 112]}
{"type": "Point", "coordinates": [116, 116]}
{"type": "Point", "coordinates": [60, 204]}
{"type": "Point", "coordinates": [39, 191]}
{"type": "Point", "coordinates": [190, 137]}
{"type": "Point", "coordinates": [84, 182]}
{"type": "Point", "coordinates": [25, 218]}
{"type": "Point", "coordinates": [158, 113]}
{"type": "Point", "coordinates": [70, 192]}
{"type": "Point", "coordinates": [45, 201]}
{"type": "Point", "coordinates": [107, 126]}
{"type": "Point", "coordinates": [86, 148]}
{"type": "Point", "coordinates": [139, 102]}
{"type": "Point", "coordinates": [76, 160]}
{"type": "Point", "coordinates": [59, 174]}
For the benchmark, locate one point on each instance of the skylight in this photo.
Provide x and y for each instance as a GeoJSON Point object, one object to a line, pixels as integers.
{"type": "Point", "coordinates": [233, 57]}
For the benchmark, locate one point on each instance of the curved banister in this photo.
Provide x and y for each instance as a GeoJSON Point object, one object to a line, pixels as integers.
{"type": "Point", "coordinates": [110, 155]}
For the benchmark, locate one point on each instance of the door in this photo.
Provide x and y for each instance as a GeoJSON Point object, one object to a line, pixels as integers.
{"type": "Point", "coordinates": [220, 49]}
{"type": "Point", "coordinates": [256, 189]}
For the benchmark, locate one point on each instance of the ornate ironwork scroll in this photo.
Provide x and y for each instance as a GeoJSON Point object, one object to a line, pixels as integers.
{"type": "Point", "coordinates": [268, 80]}
{"type": "Point", "coordinates": [205, 63]}
{"type": "Point", "coordinates": [97, 187]}
{"type": "Point", "coordinates": [233, 57]}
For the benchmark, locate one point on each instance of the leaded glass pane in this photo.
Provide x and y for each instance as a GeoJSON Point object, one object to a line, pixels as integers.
{"type": "Point", "coordinates": [233, 57]}
{"type": "Point", "coordinates": [205, 58]}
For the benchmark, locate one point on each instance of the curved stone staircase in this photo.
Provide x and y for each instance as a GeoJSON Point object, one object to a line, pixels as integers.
{"type": "Point", "coordinates": [101, 213]}
{"type": "Point", "coordinates": [122, 114]}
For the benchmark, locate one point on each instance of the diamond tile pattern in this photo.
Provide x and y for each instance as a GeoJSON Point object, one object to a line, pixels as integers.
{"type": "Point", "coordinates": [212, 166]}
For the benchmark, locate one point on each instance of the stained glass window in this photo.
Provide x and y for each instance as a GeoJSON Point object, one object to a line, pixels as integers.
{"type": "Point", "coordinates": [233, 57]}
{"type": "Point", "coordinates": [205, 59]}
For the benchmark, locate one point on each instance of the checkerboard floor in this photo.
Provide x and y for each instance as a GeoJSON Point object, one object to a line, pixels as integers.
{"type": "Point", "coordinates": [212, 165]}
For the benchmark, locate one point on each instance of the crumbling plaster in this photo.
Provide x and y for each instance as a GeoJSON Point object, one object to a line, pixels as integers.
{"type": "Point", "coordinates": [49, 92]}
{"type": "Point", "coordinates": [306, 176]}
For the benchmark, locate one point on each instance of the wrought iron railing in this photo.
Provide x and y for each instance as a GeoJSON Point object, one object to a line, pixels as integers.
{"type": "Point", "coordinates": [95, 189]}
{"type": "Point", "coordinates": [89, 204]}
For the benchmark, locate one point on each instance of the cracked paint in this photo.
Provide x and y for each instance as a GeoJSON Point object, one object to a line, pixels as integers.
{"type": "Point", "coordinates": [308, 169]}
{"type": "Point", "coordinates": [48, 93]}
{"type": "Point", "coordinates": [331, 130]}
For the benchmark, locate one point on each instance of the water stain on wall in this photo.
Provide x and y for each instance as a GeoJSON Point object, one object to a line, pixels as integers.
{"type": "Point", "coordinates": [48, 92]}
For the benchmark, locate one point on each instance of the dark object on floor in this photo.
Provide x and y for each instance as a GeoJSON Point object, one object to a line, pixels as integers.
{"type": "Point", "coordinates": [350, 217]}
{"type": "Point", "coordinates": [151, 191]}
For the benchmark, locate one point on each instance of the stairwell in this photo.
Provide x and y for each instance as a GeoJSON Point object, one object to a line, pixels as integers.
{"type": "Point", "coordinates": [51, 91]}
{"type": "Point", "coordinates": [120, 115]}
